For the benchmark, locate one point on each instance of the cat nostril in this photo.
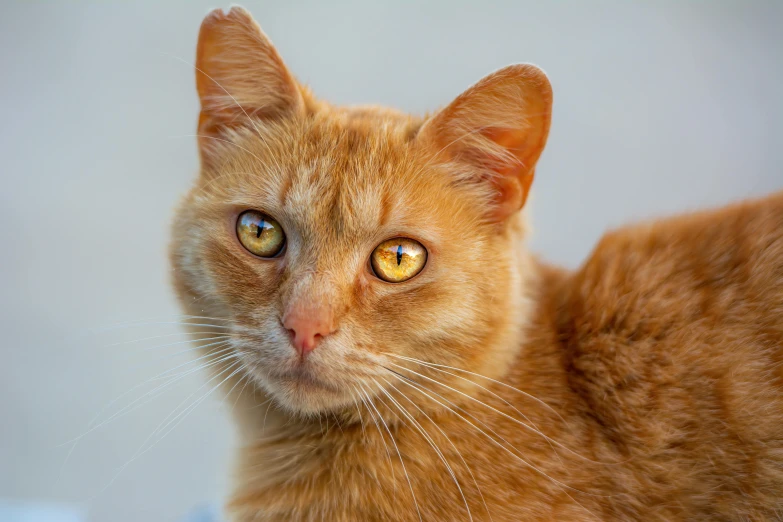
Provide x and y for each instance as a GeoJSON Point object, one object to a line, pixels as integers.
{"type": "Point", "coordinates": [304, 340]}
{"type": "Point", "coordinates": [308, 327]}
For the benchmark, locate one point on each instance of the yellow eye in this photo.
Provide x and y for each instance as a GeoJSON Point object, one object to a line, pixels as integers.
{"type": "Point", "coordinates": [397, 260]}
{"type": "Point", "coordinates": [260, 234]}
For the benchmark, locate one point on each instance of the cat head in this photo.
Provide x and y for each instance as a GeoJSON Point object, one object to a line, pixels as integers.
{"type": "Point", "coordinates": [340, 243]}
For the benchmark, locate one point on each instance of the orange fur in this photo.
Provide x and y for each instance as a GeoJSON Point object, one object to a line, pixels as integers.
{"type": "Point", "coordinates": [647, 385]}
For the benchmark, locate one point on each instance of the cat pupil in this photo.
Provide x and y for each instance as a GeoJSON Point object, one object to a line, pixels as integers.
{"type": "Point", "coordinates": [261, 229]}
{"type": "Point", "coordinates": [399, 254]}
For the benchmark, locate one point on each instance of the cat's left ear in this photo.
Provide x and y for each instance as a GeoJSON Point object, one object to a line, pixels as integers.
{"type": "Point", "coordinates": [498, 128]}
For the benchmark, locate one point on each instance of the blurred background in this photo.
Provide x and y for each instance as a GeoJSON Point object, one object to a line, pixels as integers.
{"type": "Point", "coordinates": [660, 107]}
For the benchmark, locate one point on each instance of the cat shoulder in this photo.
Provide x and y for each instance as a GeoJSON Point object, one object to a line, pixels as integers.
{"type": "Point", "coordinates": [672, 331]}
{"type": "Point", "coordinates": [684, 265]}
{"type": "Point", "coordinates": [656, 290]}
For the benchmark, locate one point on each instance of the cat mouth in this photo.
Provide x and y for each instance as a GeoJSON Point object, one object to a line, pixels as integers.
{"type": "Point", "coordinates": [301, 378]}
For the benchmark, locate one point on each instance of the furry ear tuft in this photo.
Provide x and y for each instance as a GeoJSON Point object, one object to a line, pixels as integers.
{"type": "Point", "coordinates": [239, 76]}
{"type": "Point", "coordinates": [500, 127]}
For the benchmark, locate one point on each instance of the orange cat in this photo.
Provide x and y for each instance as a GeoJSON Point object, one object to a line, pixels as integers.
{"type": "Point", "coordinates": [396, 353]}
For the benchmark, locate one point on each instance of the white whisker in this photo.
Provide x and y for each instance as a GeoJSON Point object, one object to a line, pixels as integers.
{"type": "Point", "coordinates": [182, 415]}
{"type": "Point", "coordinates": [128, 408]}
{"type": "Point", "coordinates": [386, 447]}
{"type": "Point", "coordinates": [247, 379]}
{"type": "Point", "coordinates": [432, 444]}
{"type": "Point", "coordinates": [253, 123]}
{"type": "Point", "coordinates": [216, 139]}
{"type": "Point", "coordinates": [155, 320]}
{"type": "Point", "coordinates": [133, 341]}
{"type": "Point", "coordinates": [421, 390]}
{"type": "Point", "coordinates": [159, 323]}
{"type": "Point", "coordinates": [532, 427]}
{"type": "Point", "coordinates": [399, 455]}
{"type": "Point", "coordinates": [500, 383]}
{"type": "Point", "coordinates": [475, 482]}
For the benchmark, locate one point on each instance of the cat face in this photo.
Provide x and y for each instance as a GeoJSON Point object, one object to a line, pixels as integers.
{"type": "Point", "coordinates": [338, 241]}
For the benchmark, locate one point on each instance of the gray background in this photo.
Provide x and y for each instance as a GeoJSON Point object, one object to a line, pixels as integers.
{"type": "Point", "coordinates": [659, 107]}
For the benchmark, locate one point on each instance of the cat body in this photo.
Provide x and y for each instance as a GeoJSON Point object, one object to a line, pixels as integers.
{"type": "Point", "coordinates": [646, 385]}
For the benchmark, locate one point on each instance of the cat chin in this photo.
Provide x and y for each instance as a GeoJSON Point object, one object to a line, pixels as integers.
{"type": "Point", "coordinates": [306, 402]}
{"type": "Point", "coordinates": [300, 393]}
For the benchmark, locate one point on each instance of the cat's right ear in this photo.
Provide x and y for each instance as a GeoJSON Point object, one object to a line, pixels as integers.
{"type": "Point", "coordinates": [239, 77]}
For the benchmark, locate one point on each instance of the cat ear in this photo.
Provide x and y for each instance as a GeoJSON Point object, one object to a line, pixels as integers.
{"type": "Point", "coordinates": [239, 76]}
{"type": "Point", "coordinates": [499, 128]}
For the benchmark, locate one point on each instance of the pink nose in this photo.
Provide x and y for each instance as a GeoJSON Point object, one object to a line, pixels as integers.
{"type": "Point", "coordinates": [308, 326]}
